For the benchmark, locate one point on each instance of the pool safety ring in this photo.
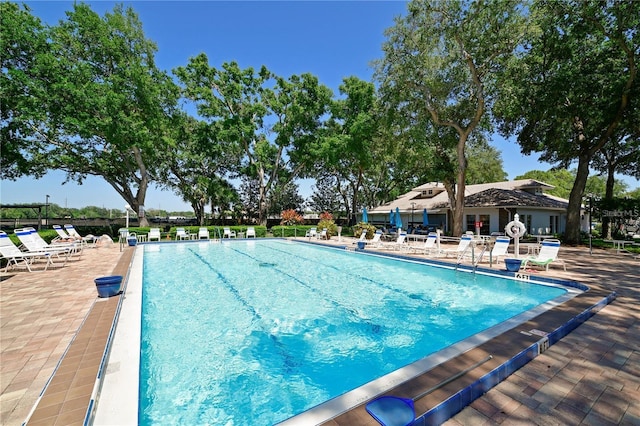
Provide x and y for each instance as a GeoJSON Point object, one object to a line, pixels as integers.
{"type": "Point", "coordinates": [515, 229]}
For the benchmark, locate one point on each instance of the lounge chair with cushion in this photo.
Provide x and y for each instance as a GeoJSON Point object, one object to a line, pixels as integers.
{"type": "Point", "coordinates": [251, 232]}
{"type": "Point", "coordinates": [154, 234]}
{"type": "Point", "coordinates": [548, 254]}
{"type": "Point", "coordinates": [500, 249]}
{"type": "Point", "coordinates": [203, 234]}
{"type": "Point", "coordinates": [15, 257]}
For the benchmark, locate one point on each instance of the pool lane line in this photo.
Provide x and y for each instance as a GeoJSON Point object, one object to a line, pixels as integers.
{"type": "Point", "coordinates": [373, 328]}
{"type": "Point", "coordinates": [404, 293]}
{"type": "Point", "coordinates": [289, 360]}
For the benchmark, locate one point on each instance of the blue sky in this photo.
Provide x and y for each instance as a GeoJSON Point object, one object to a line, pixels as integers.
{"type": "Point", "coordinates": [330, 39]}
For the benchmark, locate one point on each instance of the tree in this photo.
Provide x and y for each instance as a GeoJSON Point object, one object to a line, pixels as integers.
{"type": "Point", "coordinates": [485, 163]}
{"type": "Point", "coordinates": [268, 122]}
{"type": "Point", "coordinates": [569, 89]}
{"type": "Point", "coordinates": [285, 197]}
{"type": "Point", "coordinates": [560, 179]}
{"type": "Point", "coordinates": [347, 144]}
{"type": "Point", "coordinates": [23, 41]}
{"type": "Point", "coordinates": [327, 195]}
{"type": "Point", "coordinates": [104, 103]}
{"type": "Point", "coordinates": [438, 72]}
{"type": "Point", "coordinates": [196, 164]}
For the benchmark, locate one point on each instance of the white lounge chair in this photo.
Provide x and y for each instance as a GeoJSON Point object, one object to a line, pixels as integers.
{"type": "Point", "coordinates": [430, 246]}
{"type": "Point", "coordinates": [463, 245]}
{"type": "Point", "coordinates": [203, 234]}
{"type": "Point", "coordinates": [228, 233]}
{"type": "Point", "coordinates": [375, 241]}
{"type": "Point", "coordinates": [88, 239]}
{"type": "Point", "coordinates": [62, 235]}
{"type": "Point", "coordinates": [500, 249]}
{"type": "Point", "coordinates": [313, 232]}
{"type": "Point", "coordinates": [16, 257]}
{"type": "Point", "coordinates": [398, 244]}
{"type": "Point", "coordinates": [33, 242]}
{"type": "Point", "coordinates": [181, 234]}
{"type": "Point", "coordinates": [154, 234]}
{"type": "Point", "coordinates": [548, 254]}
{"type": "Point", "coordinates": [362, 238]}
{"type": "Point", "coordinates": [251, 232]}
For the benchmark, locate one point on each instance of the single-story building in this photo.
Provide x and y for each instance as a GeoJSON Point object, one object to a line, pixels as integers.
{"type": "Point", "coordinates": [489, 207]}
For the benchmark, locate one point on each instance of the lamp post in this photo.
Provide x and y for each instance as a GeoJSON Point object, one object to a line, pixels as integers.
{"type": "Point", "coordinates": [413, 205]}
{"type": "Point", "coordinates": [46, 213]}
{"type": "Point", "coordinates": [127, 207]}
{"type": "Point", "coordinates": [590, 212]}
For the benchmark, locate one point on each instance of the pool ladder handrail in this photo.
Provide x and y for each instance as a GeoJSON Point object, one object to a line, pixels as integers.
{"type": "Point", "coordinates": [474, 259]}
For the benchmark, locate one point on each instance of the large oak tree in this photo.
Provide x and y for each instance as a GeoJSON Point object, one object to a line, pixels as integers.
{"type": "Point", "coordinates": [437, 76]}
{"type": "Point", "coordinates": [570, 89]}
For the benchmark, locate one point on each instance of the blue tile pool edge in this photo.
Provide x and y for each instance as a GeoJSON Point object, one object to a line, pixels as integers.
{"type": "Point", "coordinates": [458, 401]}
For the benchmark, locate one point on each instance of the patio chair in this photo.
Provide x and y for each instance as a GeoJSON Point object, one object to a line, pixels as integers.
{"type": "Point", "coordinates": [313, 232]}
{"type": "Point", "coordinates": [154, 234]}
{"type": "Point", "coordinates": [16, 257]}
{"type": "Point", "coordinates": [182, 234]}
{"type": "Point", "coordinates": [203, 234]}
{"type": "Point", "coordinates": [228, 233]}
{"type": "Point", "coordinates": [251, 232]}
{"type": "Point", "coordinates": [500, 248]}
{"type": "Point", "coordinates": [323, 234]}
{"type": "Point", "coordinates": [548, 254]}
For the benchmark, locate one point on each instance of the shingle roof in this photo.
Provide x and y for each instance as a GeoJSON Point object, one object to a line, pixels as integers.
{"type": "Point", "coordinates": [496, 197]}
{"type": "Point", "coordinates": [495, 194]}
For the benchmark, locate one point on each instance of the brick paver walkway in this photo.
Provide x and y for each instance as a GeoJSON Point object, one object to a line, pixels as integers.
{"type": "Point", "coordinates": [40, 314]}
{"type": "Point", "coordinates": [590, 377]}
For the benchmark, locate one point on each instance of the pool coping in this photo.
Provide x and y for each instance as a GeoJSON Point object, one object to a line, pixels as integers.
{"type": "Point", "coordinates": [437, 408]}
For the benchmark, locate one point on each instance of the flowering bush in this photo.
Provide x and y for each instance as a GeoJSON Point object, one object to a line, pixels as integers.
{"type": "Point", "coordinates": [291, 217]}
{"type": "Point", "coordinates": [326, 216]}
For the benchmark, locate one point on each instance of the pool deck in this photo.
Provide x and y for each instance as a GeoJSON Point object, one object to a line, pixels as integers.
{"type": "Point", "coordinates": [53, 321]}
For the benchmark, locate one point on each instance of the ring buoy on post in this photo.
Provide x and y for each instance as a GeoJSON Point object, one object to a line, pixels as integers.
{"type": "Point", "coordinates": [516, 230]}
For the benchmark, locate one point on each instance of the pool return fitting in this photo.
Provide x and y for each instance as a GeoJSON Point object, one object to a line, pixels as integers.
{"type": "Point", "coordinates": [397, 411]}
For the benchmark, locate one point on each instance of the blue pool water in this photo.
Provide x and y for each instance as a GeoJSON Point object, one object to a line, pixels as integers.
{"type": "Point", "coordinates": [254, 332]}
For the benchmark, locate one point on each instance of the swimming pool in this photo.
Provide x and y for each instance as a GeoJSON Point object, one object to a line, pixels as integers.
{"type": "Point", "coordinates": [288, 317]}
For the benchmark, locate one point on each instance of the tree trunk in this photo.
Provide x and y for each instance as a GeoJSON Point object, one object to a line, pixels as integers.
{"type": "Point", "coordinates": [572, 232]}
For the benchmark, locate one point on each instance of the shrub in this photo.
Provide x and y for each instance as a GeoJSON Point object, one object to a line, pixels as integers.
{"type": "Point", "coordinates": [332, 228]}
{"type": "Point", "coordinates": [359, 227]}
